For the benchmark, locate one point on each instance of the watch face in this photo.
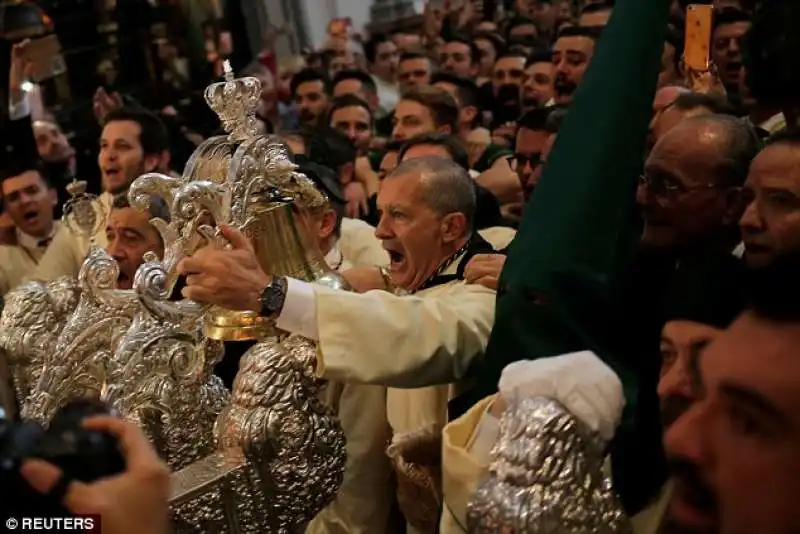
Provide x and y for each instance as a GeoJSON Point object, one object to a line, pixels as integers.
{"type": "Point", "coordinates": [273, 296]}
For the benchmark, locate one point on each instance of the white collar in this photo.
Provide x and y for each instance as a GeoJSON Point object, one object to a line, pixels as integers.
{"type": "Point", "coordinates": [30, 242]}
{"type": "Point", "coordinates": [334, 257]}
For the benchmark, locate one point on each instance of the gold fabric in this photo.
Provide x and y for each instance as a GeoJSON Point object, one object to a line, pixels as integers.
{"type": "Point", "coordinates": [365, 498]}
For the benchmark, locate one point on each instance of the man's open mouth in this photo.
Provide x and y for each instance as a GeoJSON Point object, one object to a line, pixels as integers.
{"type": "Point", "coordinates": [396, 258]}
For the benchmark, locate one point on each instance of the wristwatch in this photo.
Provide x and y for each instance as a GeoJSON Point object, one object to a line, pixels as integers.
{"type": "Point", "coordinates": [273, 296]}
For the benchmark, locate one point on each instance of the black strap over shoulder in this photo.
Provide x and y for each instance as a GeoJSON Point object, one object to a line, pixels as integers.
{"type": "Point", "coordinates": [477, 245]}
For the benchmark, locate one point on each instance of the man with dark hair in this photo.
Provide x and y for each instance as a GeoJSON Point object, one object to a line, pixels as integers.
{"type": "Point", "coordinates": [572, 52]}
{"type": "Point", "coordinates": [532, 137]}
{"type": "Point", "coordinates": [352, 116]}
{"type": "Point", "coordinates": [29, 200]}
{"type": "Point", "coordinates": [521, 26]}
{"type": "Point", "coordinates": [465, 92]}
{"type": "Point", "coordinates": [771, 222]}
{"type": "Point", "coordinates": [726, 47]}
{"type": "Point", "coordinates": [413, 69]}
{"type": "Point", "coordinates": [381, 54]}
{"type": "Point", "coordinates": [460, 56]}
{"type": "Point", "coordinates": [358, 83]}
{"type": "Point", "coordinates": [425, 109]}
{"type": "Point", "coordinates": [734, 463]}
{"type": "Point", "coordinates": [311, 90]}
{"type": "Point", "coordinates": [508, 72]}
{"type": "Point", "coordinates": [134, 141]}
{"type": "Point", "coordinates": [492, 47]}
{"type": "Point", "coordinates": [537, 85]}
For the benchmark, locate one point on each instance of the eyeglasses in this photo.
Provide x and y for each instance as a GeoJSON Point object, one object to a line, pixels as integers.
{"type": "Point", "coordinates": [663, 186]}
{"type": "Point", "coordinates": [519, 161]}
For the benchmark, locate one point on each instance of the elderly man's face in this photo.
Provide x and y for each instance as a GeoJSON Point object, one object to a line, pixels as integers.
{"type": "Point", "coordinates": [771, 222]}
{"type": "Point", "coordinates": [681, 345]}
{"type": "Point", "coordinates": [682, 196]}
{"type": "Point", "coordinates": [130, 236]}
{"type": "Point", "coordinates": [735, 452]}
{"type": "Point", "coordinates": [412, 233]}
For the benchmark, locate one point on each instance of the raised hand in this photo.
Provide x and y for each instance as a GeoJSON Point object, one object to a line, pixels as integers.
{"type": "Point", "coordinates": [230, 278]}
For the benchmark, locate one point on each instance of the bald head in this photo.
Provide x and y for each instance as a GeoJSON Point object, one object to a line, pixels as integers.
{"type": "Point", "coordinates": [666, 96]}
{"type": "Point", "coordinates": [726, 142]}
{"type": "Point", "coordinates": [683, 105]}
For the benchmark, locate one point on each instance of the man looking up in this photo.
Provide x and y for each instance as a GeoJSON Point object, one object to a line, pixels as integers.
{"type": "Point", "coordinates": [572, 52]}
{"type": "Point", "coordinates": [311, 95]}
{"type": "Point", "coordinates": [29, 200]}
{"type": "Point", "coordinates": [134, 141]}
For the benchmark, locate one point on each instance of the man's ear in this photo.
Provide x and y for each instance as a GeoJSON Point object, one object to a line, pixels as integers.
{"type": "Point", "coordinates": [373, 100]}
{"type": "Point", "coordinates": [469, 114]}
{"type": "Point", "coordinates": [454, 227]}
{"type": "Point", "coordinates": [735, 204]}
{"type": "Point", "coordinates": [152, 162]}
{"type": "Point", "coordinates": [328, 224]}
{"type": "Point", "coordinates": [53, 196]}
{"type": "Point", "coordinates": [446, 129]}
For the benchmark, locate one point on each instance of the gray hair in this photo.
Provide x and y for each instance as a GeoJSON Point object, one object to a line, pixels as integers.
{"type": "Point", "coordinates": [158, 208]}
{"type": "Point", "coordinates": [447, 186]}
{"type": "Point", "coordinates": [740, 144]}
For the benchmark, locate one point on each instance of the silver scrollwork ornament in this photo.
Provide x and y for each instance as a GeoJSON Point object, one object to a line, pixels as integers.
{"type": "Point", "coordinates": [546, 477]}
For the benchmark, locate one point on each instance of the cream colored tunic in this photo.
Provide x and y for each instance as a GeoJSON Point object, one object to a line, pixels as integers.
{"type": "Point", "coordinates": [66, 253]}
{"type": "Point", "coordinates": [365, 498]}
{"type": "Point", "coordinates": [15, 264]}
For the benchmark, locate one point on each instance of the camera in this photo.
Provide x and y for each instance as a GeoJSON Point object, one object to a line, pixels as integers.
{"type": "Point", "coordinates": [81, 454]}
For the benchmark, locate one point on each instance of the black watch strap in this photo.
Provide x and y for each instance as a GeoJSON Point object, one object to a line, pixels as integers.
{"type": "Point", "coordinates": [273, 296]}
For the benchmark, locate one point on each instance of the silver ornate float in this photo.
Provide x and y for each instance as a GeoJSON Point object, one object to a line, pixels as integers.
{"type": "Point", "coordinates": [268, 457]}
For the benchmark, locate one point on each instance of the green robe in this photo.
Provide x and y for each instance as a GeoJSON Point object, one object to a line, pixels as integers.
{"type": "Point", "coordinates": [576, 237]}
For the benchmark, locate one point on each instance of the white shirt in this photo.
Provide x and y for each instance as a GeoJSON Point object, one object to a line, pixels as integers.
{"type": "Point", "coordinates": [30, 242]}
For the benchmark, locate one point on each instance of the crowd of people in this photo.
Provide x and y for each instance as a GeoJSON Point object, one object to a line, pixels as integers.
{"type": "Point", "coordinates": [502, 187]}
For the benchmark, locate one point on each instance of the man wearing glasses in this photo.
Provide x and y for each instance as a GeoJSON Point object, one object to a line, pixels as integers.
{"type": "Point", "coordinates": [690, 192]}
{"type": "Point", "coordinates": [535, 136]}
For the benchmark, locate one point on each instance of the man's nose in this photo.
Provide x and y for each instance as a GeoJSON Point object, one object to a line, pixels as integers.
{"type": "Point", "coordinates": [675, 382]}
{"type": "Point", "coordinates": [685, 437]}
{"type": "Point", "coordinates": [751, 221]}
